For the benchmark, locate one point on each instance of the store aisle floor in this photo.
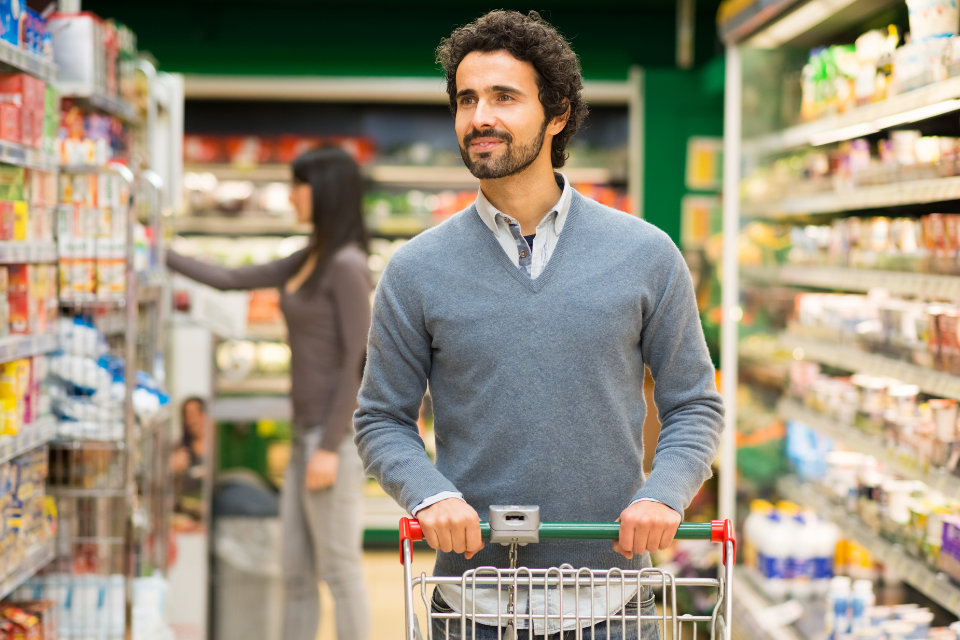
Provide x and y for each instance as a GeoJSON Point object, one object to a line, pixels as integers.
{"type": "Point", "coordinates": [384, 576]}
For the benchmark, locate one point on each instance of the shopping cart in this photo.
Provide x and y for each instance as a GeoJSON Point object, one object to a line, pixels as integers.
{"type": "Point", "coordinates": [514, 525]}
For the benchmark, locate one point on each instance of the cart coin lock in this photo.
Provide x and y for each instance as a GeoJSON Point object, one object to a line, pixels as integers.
{"type": "Point", "coordinates": [514, 524]}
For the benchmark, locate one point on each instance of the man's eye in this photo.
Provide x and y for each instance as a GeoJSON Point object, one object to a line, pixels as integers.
{"type": "Point", "coordinates": [506, 97]}
{"type": "Point", "coordinates": [467, 101]}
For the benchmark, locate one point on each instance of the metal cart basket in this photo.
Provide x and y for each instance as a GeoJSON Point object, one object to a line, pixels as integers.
{"type": "Point", "coordinates": [562, 592]}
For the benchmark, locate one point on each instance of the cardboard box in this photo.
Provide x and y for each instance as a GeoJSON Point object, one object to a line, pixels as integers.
{"type": "Point", "coordinates": [11, 182]}
{"type": "Point", "coordinates": [21, 221]}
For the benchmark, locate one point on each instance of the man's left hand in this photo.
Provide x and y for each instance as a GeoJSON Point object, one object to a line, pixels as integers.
{"type": "Point", "coordinates": [646, 526]}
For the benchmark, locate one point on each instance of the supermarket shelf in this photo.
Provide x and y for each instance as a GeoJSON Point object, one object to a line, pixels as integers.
{"type": "Point", "coordinates": [37, 434]}
{"type": "Point", "coordinates": [36, 558]}
{"type": "Point", "coordinates": [226, 226]}
{"type": "Point", "coordinates": [17, 59]}
{"type": "Point", "coordinates": [399, 226]}
{"type": "Point", "coordinates": [841, 356]}
{"type": "Point", "coordinates": [250, 408]}
{"type": "Point", "coordinates": [448, 177]}
{"type": "Point", "coordinates": [273, 385]}
{"type": "Point", "coordinates": [25, 252]}
{"type": "Point", "coordinates": [14, 347]}
{"type": "Point", "coordinates": [111, 105]}
{"type": "Point", "coordinates": [920, 285]}
{"type": "Point", "coordinates": [902, 463]}
{"type": "Point", "coordinates": [935, 586]}
{"type": "Point", "coordinates": [882, 196]}
{"type": "Point", "coordinates": [860, 121]}
{"type": "Point", "coordinates": [13, 153]}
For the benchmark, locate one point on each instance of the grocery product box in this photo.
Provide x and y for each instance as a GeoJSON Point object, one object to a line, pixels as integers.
{"type": "Point", "coordinates": [77, 267]}
{"type": "Point", "coordinates": [11, 182]}
{"type": "Point", "coordinates": [10, 21]}
{"type": "Point", "coordinates": [111, 271]}
{"type": "Point", "coordinates": [78, 50]}
{"type": "Point", "coordinates": [10, 122]}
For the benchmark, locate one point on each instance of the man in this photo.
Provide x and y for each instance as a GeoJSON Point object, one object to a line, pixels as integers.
{"type": "Point", "coordinates": [531, 315]}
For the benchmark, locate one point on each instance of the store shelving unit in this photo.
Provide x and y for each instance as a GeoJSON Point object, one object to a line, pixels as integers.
{"type": "Point", "coordinates": [914, 572]}
{"type": "Point", "coordinates": [15, 59]}
{"type": "Point", "coordinates": [221, 225]}
{"type": "Point", "coordinates": [751, 611]}
{"type": "Point", "coordinates": [27, 252]}
{"type": "Point", "coordinates": [901, 462]}
{"type": "Point", "coordinates": [749, 47]}
{"type": "Point", "coordinates": [14, 347]}
{"type": "Point", "coordinates": [41, 432]}
{"type": "Point", "coordinates": [110, 105]}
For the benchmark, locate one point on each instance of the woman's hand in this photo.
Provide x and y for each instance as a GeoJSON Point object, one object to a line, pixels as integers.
{"type": "Point", "coordinates": [322, 469]}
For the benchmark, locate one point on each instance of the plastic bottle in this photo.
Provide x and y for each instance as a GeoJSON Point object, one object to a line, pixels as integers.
{"type": "Point", "coordinates": [754, 530]}
{"type": "Point", "coordinates": [806, 528]}
{"type": "Point", "coordinates": [775, 547]}
{"type": "Point", "coordinates": [861, 598]}
{"type": "Point", "coordinates": [826, 537]}
{"type": "Point", "coordinates": [838, 598]}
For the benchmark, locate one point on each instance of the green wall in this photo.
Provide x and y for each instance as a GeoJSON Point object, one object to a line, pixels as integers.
{"type": "Point", "coordinates": [679, 104]}
{"type": "Point", "coordinates": [380, 37]}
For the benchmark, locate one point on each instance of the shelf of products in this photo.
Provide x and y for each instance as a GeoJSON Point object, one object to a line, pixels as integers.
{"type": "Point", "coordinates": [39, 556]}
{"type": "Point", "coordinates": [852, 359]}
{"type": "Point", "coordinates": [859, 199]}
{"type": "Point", "coordinates": [13, 153]}
{"type": "Point", "coordinates": [279, 386]}
{"type": "Point", "coordinates": [912, 106]}
{"type": "Point", "coordinates": [900, 461]}
{"type": "Point", "coordinates": [897, 283]}
{"type": "Point", "coordinates": [935, 586]}
{"type": "Point", "coordinates": [752, 608]}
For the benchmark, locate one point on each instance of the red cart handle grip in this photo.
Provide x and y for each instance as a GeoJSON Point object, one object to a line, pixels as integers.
{"type": "Point", "coordinates": [409, 530]}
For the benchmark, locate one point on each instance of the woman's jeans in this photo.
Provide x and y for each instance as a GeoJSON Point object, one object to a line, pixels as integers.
{"type": "Point", "coordinates": [322, 540]}
{"type": "Point", "coordinates": [649, 629]}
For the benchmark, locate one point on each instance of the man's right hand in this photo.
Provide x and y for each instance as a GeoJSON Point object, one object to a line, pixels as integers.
{"type": "Point", "coordinates": [451, 525]}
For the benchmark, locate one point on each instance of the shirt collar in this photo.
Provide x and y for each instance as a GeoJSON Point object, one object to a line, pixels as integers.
{"type": "Point", "coordinates": [488, 213]}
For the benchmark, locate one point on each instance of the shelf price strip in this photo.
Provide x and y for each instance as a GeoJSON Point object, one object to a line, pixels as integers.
{"type": "Point", "coordinates": [40, 555]}
{"type": "Point", "coordinates": [920, 285]}
{"type": "Point", "coordinates": [935, 586]}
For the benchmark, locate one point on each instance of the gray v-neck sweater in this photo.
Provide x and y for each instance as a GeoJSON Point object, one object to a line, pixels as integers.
{"type": "Point", "coordinates": [537, 385]}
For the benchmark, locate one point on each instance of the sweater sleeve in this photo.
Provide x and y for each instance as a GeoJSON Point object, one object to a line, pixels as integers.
{"type": "Point", "coordinates": [350, 282]}
{"type": "Point", "coordinates": [691, 410]}
{"type": "Point", "coordinates": [398, 367]}
{"type": "Point", "coordinates": [260, 276]}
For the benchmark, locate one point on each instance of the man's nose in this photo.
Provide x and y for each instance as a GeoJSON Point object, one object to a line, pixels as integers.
{"type": "Point", "coordinates": [484, 116]}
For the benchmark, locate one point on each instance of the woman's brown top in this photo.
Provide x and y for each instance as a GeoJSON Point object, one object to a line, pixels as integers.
{"type": "Point", "coordinates": [328, 319]}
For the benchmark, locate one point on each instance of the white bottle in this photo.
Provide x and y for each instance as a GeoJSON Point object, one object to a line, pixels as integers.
{"type": "Point", "coordinates": [838, 598]}
{"type": "Point", "coordinates": [826, 536]}
{"type": "Point", "coordinates": [754, 530]}
{"type": "Point", "coordinates": [804, 545]}
{"type": "Point", "coordinates": [775, 547]}
{"type": "Point", "coordinates": [861, 598]}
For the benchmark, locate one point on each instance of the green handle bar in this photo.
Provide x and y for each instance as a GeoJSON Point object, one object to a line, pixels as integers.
{"type": "Point", "coordinates": [715, 531]}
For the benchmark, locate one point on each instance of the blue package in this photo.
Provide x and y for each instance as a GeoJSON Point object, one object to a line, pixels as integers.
{"type": "Point", "coordinates": [10, 21]}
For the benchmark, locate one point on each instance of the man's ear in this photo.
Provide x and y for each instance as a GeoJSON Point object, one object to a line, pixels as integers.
{"type": "Point", "coordinates": [560, 121]}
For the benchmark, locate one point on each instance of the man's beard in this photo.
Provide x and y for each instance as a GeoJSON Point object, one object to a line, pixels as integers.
{"type": "Point", "coordinates": [511, 162]}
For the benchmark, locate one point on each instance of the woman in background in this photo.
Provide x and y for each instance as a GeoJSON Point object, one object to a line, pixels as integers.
{"type": "Point", "coordinates": [188, 468]}
{"type": "Point", "coordinates": [325, 300]}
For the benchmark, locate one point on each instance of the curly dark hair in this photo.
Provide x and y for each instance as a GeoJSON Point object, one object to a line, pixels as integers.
{"type": "Point", "coordinates": [532, 39]}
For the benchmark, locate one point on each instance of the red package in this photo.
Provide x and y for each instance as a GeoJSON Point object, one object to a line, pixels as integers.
{"type": "Point", "coordinates": [8, 219]}
{"type": "Point", "coordinates": [243, 151]}
{"type": "Point", "coordinates": [289, 147]}
{"type": "Point", "coordinates": [9, 122]}
{"type": "Point", "coordinates": [202, 149]}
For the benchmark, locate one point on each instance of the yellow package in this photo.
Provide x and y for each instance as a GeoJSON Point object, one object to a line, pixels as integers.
{"type": "Point", "coordinates": [11, 421]}
{"type": "Point", "coordinates": [21, 220]}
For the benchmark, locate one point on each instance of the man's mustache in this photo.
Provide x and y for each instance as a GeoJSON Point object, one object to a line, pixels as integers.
{"type": "Point", "coordinates": [487, 133]}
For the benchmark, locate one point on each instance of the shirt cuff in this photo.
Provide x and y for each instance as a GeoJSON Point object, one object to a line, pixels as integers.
{"type": "Point", "coordinates": [434, 499]}
{"type": "Point", "coordinates": [635, 502]}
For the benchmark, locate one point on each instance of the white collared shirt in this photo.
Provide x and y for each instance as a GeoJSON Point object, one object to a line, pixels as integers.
{"type": "Point", "coordinates": [507, 231]}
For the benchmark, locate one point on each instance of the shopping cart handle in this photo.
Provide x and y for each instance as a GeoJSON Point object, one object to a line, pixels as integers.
{"type": "Point", "coordinates": [716, 531]}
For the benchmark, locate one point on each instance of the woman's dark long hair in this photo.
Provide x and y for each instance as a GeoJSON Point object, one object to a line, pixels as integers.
{"type": "Point", "coordinates": [337, 185]}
